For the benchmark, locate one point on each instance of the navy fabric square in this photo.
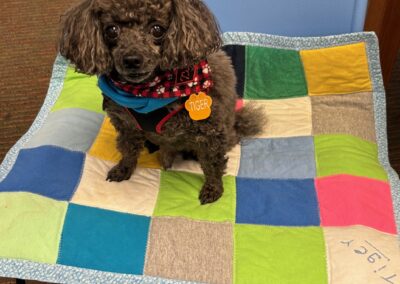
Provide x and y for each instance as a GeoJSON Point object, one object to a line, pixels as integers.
{"type": "Point", "coordinates": [104, 240]}
{"type": "Point", "coordinates": [49, 171]}
{"type": "Point", "coordinates": [277, 202]}
{"type": "Point", "coordinates": [238, 57]}
{"type": "Point", "coordinates": [278, 158]}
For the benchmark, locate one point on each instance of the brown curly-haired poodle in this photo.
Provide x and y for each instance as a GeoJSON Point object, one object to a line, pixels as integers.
{"type": "Point", "coordinates": [134, 43]}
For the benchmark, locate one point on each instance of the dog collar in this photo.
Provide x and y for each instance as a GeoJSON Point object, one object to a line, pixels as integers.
{"type": "Point", "coordinates": [172, 83]}
{"type": "Point", "coordinates": [122, 98]}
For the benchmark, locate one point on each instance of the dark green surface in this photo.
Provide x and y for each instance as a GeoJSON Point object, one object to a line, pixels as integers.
{"type": "Point", "coordinates": [273, 74]}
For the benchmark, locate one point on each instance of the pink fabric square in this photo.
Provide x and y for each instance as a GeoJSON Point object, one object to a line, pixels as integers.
{"type": "Point", "coordinates": [346, 200]}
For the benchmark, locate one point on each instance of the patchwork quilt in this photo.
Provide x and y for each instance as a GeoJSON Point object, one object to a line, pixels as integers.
{"type": "Point", "coordinates": [312, 199]}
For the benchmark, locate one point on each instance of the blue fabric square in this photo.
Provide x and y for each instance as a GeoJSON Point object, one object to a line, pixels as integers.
{"type": "Point", "coordinates": [277, 202]}
{"type": "Point", "coordinates": [278, 158]}
{"type": "Point", "coordinates": [49, 171]}
{"type": "Point", "coordinates": [104, 240]}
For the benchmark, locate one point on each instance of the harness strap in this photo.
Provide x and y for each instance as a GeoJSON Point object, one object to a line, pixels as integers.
{"type": "Point", "coordinates": [155, 120]}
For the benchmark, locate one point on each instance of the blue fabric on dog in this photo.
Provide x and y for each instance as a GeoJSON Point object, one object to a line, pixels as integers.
{"type": "Point", "coordinates": [277, 202]}
{"type": "Point", "coordinates": [49, 171]}
{"type": "Point", "coordinates": [142, 105]}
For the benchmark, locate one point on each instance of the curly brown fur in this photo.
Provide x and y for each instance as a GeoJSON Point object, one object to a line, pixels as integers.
{"type": "Point", "coordinates": [189, 33]}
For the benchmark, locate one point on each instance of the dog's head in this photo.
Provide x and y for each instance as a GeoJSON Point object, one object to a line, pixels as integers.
{"type": "Point", "coordinates": [135, 38]}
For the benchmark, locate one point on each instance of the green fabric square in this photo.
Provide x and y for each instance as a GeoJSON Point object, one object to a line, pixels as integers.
{"type": "Point", "coordinates": [273, 74]}
{"type": "Point", "coordinates": [79, 91]}
{"type": "Point", "coordinates": [279, 255]}
{"type": "Point", "coordinates": [30, 226]}
{"type": "Point", "coordinates": [346, 154]}
{"type": "Point", "coordinates": [179, 196]}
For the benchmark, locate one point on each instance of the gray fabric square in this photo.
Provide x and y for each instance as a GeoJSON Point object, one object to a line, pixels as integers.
{"type": "Point", "coordinates": [73, 129]}
{"type": "Point", "coordinates": [280, 158]}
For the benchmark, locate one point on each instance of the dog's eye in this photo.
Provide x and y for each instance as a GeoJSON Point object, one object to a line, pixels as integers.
{"type": "Point", "coordinates": [157, 31]}
{"type": "Point", "coordinates": [112, 31]}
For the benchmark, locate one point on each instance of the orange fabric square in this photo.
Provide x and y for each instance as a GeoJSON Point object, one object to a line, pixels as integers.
{"type": "Point", "coordinates": [105, 148]}
{"type": "Point", "coordinates": [337, 70]}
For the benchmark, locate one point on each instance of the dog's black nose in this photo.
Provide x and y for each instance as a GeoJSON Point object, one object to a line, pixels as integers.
{"type": "Point", "coordinates": [133, 61]}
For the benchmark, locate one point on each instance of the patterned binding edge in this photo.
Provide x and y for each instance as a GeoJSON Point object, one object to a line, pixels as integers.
{"type": "Point", "coordinates": [57, 273]}
{"type": "Point", "coordinates": [66, 274]}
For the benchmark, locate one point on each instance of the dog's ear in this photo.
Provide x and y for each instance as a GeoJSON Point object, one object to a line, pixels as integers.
{"type": "Point", "coordinates": [81, 39]}
{"type": "Point", "coordinates": [193, 34]}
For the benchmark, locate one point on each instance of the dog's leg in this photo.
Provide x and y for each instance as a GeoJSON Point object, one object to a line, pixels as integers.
{"type": "Point", "coordinates": [130, 143]}
{"type": "Point", "coordinates": [167, 157]}
{"type": "Point", "coordinates": [212, 159]}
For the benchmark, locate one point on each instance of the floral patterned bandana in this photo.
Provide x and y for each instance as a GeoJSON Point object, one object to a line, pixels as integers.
{"type": "Point", "coordinates": [172, 83]}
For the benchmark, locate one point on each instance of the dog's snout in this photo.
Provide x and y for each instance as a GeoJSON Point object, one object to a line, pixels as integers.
{"type": "Point", "coordinates": [133, 62]}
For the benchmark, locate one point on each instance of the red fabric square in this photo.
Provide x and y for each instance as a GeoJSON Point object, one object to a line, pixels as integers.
{"type": "Point", "coordinates": [346, 200]}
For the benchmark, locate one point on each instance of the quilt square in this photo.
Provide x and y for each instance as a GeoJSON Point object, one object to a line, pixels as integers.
{"type": "Point", "coordinates": [344, 114]}
{"type": "Point", "coordinates": [105, 148]}
{"type": "Point", "coordinates": [80, 91]}
{"type": "Point", "coordinates": [337, 70]}
{"type": "Point", "coordinates": [30, 227]}
{"type": "Point", "coordinates": [137, 195]}
{"type": "Point", "coordinates": [190, 250]}
{"type": "Point", "coordinates": [237, 53]}
{"type": "Point", "coordinates": [179, 196]}
{"type": "Point", "coordinates": [279, 255]}
{"type": "Point", "coordinates": [358, 254]}
{"type": "Point", "coordinates": [286, 118]}
{"type": "Point", "coordinates": [73, 129]}
{"type": "Point", "coordinates": [48, 171]}
{"type": "Point", "coordinates": [348, 200]}
{"type": "Point", "coordinates": [278, 158]}
{"type": "Point", "coordinates": [104, 240]}
{"type": "Point", "coordinates": [273, 74]}
{"type": "Point", "coordinates": [192, 166]}
{"type": "Point", "coordinates": [346, 154]}
{"type": "Point", "coordinates": [276, 202]}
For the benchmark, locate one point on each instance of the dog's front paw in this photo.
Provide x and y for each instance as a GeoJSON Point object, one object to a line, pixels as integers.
{"type": "Point", "coordinates": [119, 173]}
{"type": "Point", "coordinates": [210, 193]}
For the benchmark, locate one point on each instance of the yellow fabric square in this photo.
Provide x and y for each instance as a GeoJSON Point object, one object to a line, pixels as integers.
{"type": "Point", "coordinates": [337, 70]}
{"type": "Point", "coordinates": [138, 195]}
{"type": "Point", "coordinates": [286, 117]}
{"type": "Point", "coordinates": [105, 148]}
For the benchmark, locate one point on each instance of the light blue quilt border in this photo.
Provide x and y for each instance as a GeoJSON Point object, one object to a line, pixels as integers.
{"type": "Point", "coordinates": [66, 274]}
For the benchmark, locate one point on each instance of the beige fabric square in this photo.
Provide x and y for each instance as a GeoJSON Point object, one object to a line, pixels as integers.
{"type": "Point", "coordinates": [138, 195]}
{"type": "Point", "coordinates": [344, 114]}
{"type": "Point", "coordinates": [190, 250]}
{"type": "Point", "coordinates": [359, 254]}
{"type": "Point", "coordinates": [194, 166]}
{"type": "Point", "coordinates": [286, 117]}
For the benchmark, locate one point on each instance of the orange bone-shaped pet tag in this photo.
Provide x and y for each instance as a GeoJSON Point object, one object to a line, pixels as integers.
{"type": "Point", "coordinates": [199, 106]}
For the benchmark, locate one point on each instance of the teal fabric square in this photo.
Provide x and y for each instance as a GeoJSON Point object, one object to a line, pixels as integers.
{"type": "Point", "coordinates": [104, 240]}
